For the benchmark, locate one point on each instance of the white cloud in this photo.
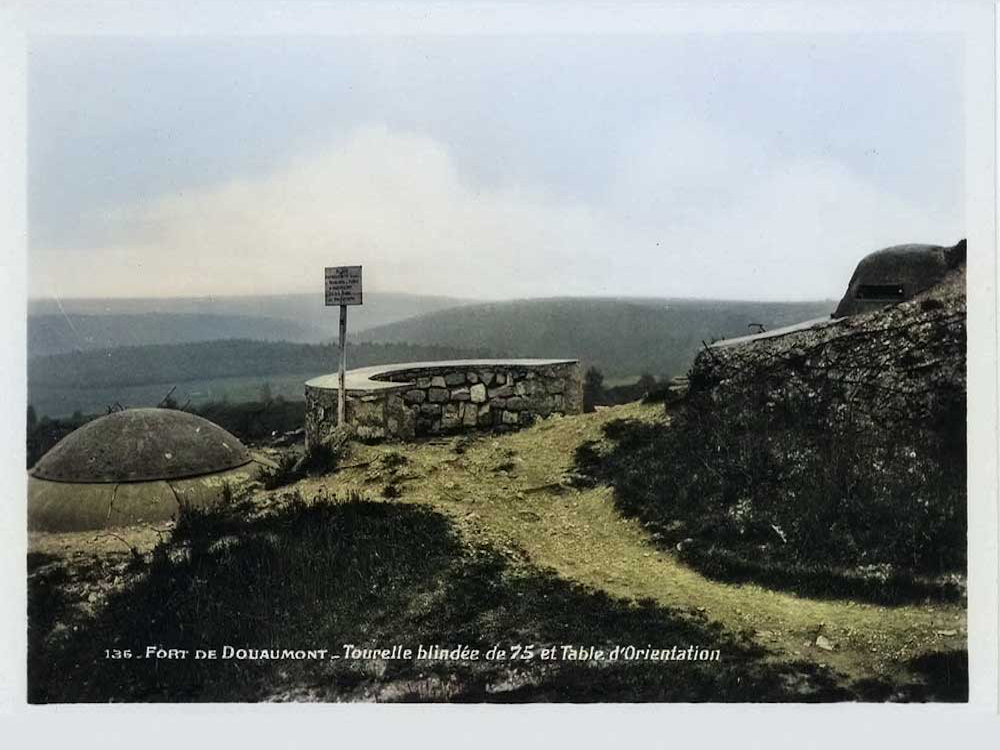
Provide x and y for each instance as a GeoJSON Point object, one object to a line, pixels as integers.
{"type": "Point", "coordinates": [673, 170]}
{"type": "Point", "coordinates": [693, 211]}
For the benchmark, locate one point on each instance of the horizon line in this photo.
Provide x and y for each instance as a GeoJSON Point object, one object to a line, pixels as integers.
{"type": "Point", "coordinates": [466, 300]}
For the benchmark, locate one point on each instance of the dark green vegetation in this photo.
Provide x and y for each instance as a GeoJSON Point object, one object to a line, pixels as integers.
{"type": "Point", "coordinates": [70, 325]}
{"type": "Point", "coordinates": [133, 357]}
{"type": "Point", "coordinates": [253, 421]}
{"type": "Point", "coordinates": [621, 337]}
{"type": "Point", "coordinates": [596, 393]}
{"type": "Point", "coordinates": [42, 434]}
{"type": "Point", "coordinates": [141, 375]}
{"type": "Point", "coordinates": [780, 496]}
{"type": "Point", "coordinates": [821, 525]}
{"type": "Point", "coordinates": [59, 334]}
{"type": "Point", "coordinates": [318, 459]}
{"type": "Point", "coordinates": [322, 574]}
{"type": "Point", "coordinates": [175, 363]}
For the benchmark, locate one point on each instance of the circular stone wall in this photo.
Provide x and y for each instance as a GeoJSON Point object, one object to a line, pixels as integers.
{"type": "Point", "coordinates": [134, 466]}
{"type": "Point", "coordinates": [407, 400]}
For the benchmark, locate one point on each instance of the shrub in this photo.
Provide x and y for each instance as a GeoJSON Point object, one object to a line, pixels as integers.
{"type": "Point", "coordinates": [320, 458]}
{"type": "Point", "coordinates": [286, 472]}
{"type": "Point", "coordinates": [392, 460]}
{"type": "Point", "coordinates": [255, 420]}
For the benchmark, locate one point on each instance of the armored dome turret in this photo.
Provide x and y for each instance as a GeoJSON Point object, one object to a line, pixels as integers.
{"type": "Point", "coordinates": [895, 274]}
{"type": "Point", "coordinates": [135, 466]}
{"type": "Point", "coordinates": [142, 444]}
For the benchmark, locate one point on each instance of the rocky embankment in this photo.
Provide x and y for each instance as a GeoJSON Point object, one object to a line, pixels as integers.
{"type": "Point", "coordinates": [830, 460]}
{"type": "Point", "coordinates": [904, 363]}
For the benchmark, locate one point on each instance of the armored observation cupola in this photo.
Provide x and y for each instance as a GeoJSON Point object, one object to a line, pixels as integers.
{"type": "Point", "coordinates": [134, 466]}
{"type": "Point", "coordinates": [895, 274]}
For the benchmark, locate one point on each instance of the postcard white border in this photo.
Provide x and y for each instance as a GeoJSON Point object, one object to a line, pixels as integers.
{"type": "Point", "coordinates": [492, 726]}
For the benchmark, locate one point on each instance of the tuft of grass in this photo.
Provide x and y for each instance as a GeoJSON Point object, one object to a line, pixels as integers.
{"type": "Point", "coordinates": [319, 459]}
{"type": "Point", "coordinates": [323, 458]}
{"type": "Point", "coordinates": [286, 472]}
{"type": "Point", "coordinates": [391, 460]}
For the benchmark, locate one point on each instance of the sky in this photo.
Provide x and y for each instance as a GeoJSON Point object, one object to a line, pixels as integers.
{"type": "Point", "coordinates": [735, 165]}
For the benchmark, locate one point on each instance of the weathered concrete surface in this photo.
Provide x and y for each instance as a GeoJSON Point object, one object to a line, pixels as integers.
{"type": "Point", "coordinates": [142, 444]}
{"type": "Point", "coordinates": [70, 506]}
{"type": "Point", "coordinates": [905, 270]}
{"type": "Point", "coordinates": [135, 466]}
{"type": "Point", "coordinates": [773, 333]}
{"type": "Point", "coordinates": [425, 398]}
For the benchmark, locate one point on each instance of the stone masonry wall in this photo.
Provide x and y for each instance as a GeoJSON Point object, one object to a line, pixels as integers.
{"type": "Point", "coordinates": [444, 399]}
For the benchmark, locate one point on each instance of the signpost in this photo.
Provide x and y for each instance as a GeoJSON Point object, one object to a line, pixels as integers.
{"type": "Point", "coordinates": [343, 288]}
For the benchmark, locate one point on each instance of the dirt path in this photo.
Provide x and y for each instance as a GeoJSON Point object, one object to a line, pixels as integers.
{"type": "Point", "coordinates": [510, 491]}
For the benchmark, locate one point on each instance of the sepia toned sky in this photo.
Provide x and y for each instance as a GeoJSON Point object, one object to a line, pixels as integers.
{"type": "Point", "coordinates": [749, 166]}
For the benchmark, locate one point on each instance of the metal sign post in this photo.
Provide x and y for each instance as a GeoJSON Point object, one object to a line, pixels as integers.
{"type": "Point", "coordinates": [342, 365]}
{"type": "Point", "coordinates": [343, 288]}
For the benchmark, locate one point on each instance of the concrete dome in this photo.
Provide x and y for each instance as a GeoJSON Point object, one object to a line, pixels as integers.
{"type": "Point", "coordinates": [135, 445]}
{"type": "Point", "coordinates": [135, 466]}
{"type": "Point", "coordinates": [895, 274]}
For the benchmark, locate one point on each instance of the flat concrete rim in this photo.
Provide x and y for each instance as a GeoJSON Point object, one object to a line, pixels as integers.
{"type": "Point", "coordinates": [367, 379]}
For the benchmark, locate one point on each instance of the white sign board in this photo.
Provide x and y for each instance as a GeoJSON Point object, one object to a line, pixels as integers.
{"type": "Point", "coordinates": [343, 285]}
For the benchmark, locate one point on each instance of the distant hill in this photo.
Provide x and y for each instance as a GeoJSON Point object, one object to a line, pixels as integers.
{"type": "Point", "coordinates": [622, 337]}
{"type": "Point", "coordinates": [78, 361]}
{"type": "Point", "coordinates": [58, 334]}
{"type": "Point", "coordinates": [237, 370]}
{"type": "Point", "coordinates": [79, 324]}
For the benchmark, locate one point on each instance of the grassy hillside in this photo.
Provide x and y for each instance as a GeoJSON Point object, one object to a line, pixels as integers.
{"type": "Point", "coordinates": [71, 325]}
{"type": "Point", "coordinates": [468, 540]}
{"type": "Point", "coordinates": [619, 336]}
{"type": "Point", "coordinates": [410, 581]}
